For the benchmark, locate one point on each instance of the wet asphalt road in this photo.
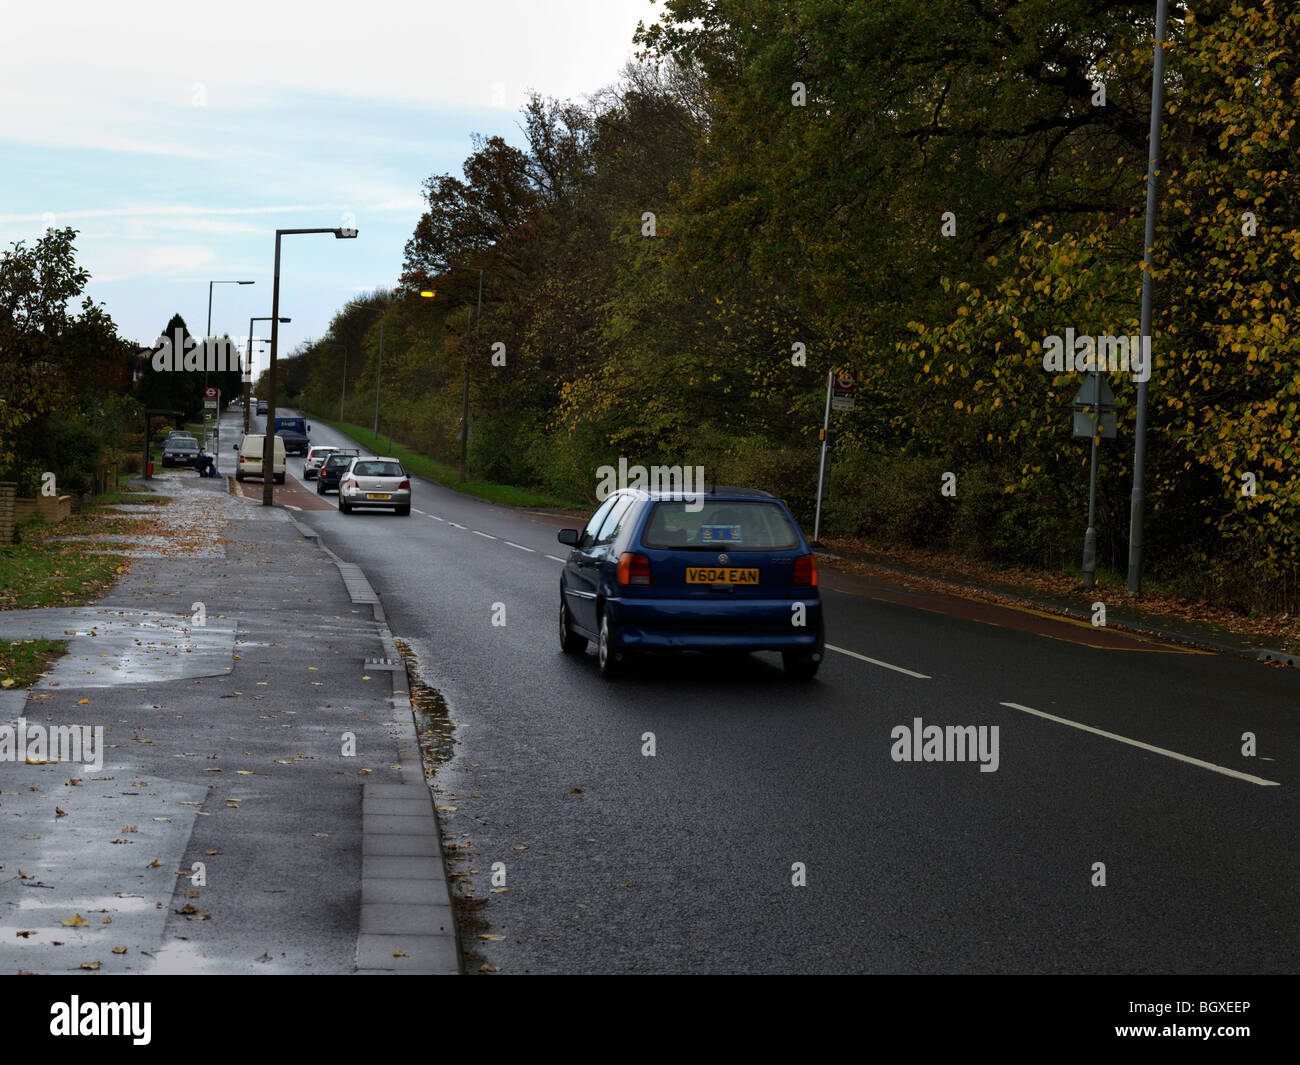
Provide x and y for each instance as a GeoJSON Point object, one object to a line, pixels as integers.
{"type": "Point", "coordinates": [616, 861]}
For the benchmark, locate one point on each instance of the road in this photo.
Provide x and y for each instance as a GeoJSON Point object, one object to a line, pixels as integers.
{"type": "Point", "coordinates": [685, 861]}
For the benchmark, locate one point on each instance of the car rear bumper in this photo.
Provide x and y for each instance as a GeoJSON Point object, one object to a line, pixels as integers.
{"type": "Point", "coordinates": [702, 625]}
{"type": "Point", "coordinates": [395, 499]}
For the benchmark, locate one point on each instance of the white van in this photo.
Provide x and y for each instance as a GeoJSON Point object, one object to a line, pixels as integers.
{"type": "Point", "coordinates": [250, 457]}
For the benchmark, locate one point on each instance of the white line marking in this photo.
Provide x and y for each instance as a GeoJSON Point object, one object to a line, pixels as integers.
{"type": "Point", "coordinates": [554, 559]}
{"type": "Point", "coordinates": [877, 662]}
{"type": "Point", "coordinates": [454, 525]}
{"type": "Point", "coordinates": [420, 512]}
{"type": "Point", "coordinates": [1146, 746]}
{"type": "Point", "coordinates": [485, 536]}
{"type": "Point", "coordinates": [520, 546]}
{"type": "Point", "coordinates": [434, 517]}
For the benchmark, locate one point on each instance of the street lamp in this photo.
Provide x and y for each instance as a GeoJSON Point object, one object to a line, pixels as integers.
{"type": "Point", "coordinates": [464, 394]}
{"type": "Point", "coordinates": [268, 443]}
{"type": "Point", "coordinates": [248, 370]}
{"type": "Point", "coordinates": [209, 330]}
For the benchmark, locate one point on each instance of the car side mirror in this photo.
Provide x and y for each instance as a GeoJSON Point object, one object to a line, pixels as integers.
{"type": "Point", "coordinates": [568, 536]}
{"type": "Point", "coordinates": [234, 447]}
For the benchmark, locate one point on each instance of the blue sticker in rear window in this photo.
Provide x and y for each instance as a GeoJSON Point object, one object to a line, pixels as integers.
{"type": "Point", "coordinates": [720, 534]}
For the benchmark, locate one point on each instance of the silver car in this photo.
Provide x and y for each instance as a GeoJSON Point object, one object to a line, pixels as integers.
{"type": "Point", "coordinates": [316, 456]}
{"type": "Point", "coordinates": [375, 482]}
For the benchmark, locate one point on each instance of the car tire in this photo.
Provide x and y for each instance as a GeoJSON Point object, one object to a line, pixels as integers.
{"type": "Point", "coordinates": [343, 505]}
{"type": "Point", "coordinates": [279, 479]}
{"type": "Point", "coordinates": [608, 657]}
{"type": "Point", "coordinates": [239, 476]}
{"type": "Point", "coordinates": [570, 642]}
{"type": "Point", "coordinates": [404, 512]}
{"type": "Point", "coordinates": [801, 665]}
{"type": "Point", "coordinates": [320, 489]}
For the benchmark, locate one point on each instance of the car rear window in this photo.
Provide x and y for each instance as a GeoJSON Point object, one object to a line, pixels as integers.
{"type": "Point", "coordinates": [183, 445]}
{"type": "Point", "coordinates": [721, 524]}
{"type": "Point", "coordinates": [378, 469]}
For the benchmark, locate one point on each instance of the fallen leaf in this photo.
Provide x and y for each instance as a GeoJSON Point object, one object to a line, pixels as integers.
{"type": "Point", "coordinates": [486, 968]}
{"type": "Point", "coordinates": [489, 935]}
{"type": "Point", "coordinates": [119, 950]}
{"type": "Point", "coordinates": [75, 921]}
{"type": "Point", "coordinates": [59, 812]}
{"type": "Point", "coordinates": [26, 932]}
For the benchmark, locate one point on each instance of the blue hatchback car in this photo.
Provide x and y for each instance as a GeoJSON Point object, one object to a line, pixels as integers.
{"type": "Point", "coordinates": [725, 570]}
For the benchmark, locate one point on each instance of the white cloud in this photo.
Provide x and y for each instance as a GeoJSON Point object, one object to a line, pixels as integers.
{"type": "Point", "coordinates": [171, 261]}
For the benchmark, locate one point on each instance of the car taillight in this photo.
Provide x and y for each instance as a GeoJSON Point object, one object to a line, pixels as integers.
{"type": "Point", "coordinates": [805, 570]}
{"type": "Point", "coordinates": [349, 483]}
{"type": "Point", "coordinates": [633, 569]}
{"type": "Point", "coordinates": [405, 486]}
{"type": "Point", "coordinates": [241, 458]}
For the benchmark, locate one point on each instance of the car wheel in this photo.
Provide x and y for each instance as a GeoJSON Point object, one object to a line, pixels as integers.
{"type": "Point", "coordinates": [343, 505]}
{"type": "Point", "coordinates": [570, 642]}
{"type": "Point", "coordinates": [801, 665]}
{"type": "Point", "coordinates": [239, 476]}
{"type": "Point", "coordinates": [405, 512]}
{"type": "Point", "coordinates": [609, 657]}
{"type": "Point", "coordinates": [279, 479]}
{"type": "Point", "coordinates": [320, 489]}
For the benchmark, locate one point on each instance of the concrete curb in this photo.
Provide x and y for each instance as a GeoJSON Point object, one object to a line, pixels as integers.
{"type": "Point", "coordinates": [1126, 625]}
{"type": "Point", "coordinates": [407, 921]}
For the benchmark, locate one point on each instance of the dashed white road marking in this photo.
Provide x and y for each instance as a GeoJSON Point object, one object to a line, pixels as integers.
{"type": "Point", "coordinates": [420, 512]}
{"type": "Point", "coordinates": [1146, 746]}
{"type": "Point", "coordinates": [486, 536]}
{"type": "Point", "coordinates": [877, 662]}
{"type": "Point", "coordinates": [554, 559]}
{"type": "Point", "coordinates": [521, 547]}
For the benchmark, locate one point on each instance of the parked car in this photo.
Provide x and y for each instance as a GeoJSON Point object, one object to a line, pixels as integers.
{"type": "Point", "coordinates": [250, 458]}
{"type": "Point", "coordinates": [332, 470]}
{"type": "Point", "coordinates": [261, 406]}
{"type": "Point", "coordinates": [180, 451]}
{"type": "Point", "coordinates": [316, 456]}
{"type": "Point", "coordinates": [650, 573]}
{"type": "Point", "coordinates": [375, 482]}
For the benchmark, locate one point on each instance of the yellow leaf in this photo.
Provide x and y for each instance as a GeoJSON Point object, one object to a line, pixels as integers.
{"type": "Point", "coordinates": [75, 921]}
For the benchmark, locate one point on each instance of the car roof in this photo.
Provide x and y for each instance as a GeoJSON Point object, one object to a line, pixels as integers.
{"type": "Point", "coordinates": [377, 458]}
{"type": "Point", "coordinates": [717, 491]}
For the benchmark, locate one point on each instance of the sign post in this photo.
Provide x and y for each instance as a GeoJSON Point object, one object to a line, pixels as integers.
{"type": "Point", "coordinates": [839, 396]}
{"type": "Point", "coordinates": [1094, 417]}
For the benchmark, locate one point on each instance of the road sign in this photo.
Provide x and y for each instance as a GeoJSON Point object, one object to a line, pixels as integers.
{"type": "Point", "coordinates": [1094, 409]}
{"type": "Point", "coordinates": [209, 393]}
{"type": "Point", "coordinates": [842, 387]}
{"type": "Point", "coordinates": [209, 404]}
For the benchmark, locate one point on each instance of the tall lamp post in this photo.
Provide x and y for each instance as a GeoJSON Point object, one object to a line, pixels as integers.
{"type": "Point", "coordinates": [1138, 501]}
{"type": "Point", "coordinates": [248, 370]}
{"type": "Point", "coordinates": [268, 442]}
{"type": "Point", "coordinates": [464, 394]}
{"type": "Point", "coordinates": [209, 329]}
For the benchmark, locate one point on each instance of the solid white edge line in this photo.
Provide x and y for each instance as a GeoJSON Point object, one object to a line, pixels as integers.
{"type": "Point", "coordinates": [521, 547]}
{"type": "Point", "coordinates": [1147, 746]}
{"type": "Point", "coordinates": [554, 559]}
{"type": "Point", "coordinates": [433, 516]}
{"type": "Point", "coordinates": [877, 662]}
{"type": "Point", "coordinates": [486, 536]}
{"type": "Point", "coordinates": [420, 512]}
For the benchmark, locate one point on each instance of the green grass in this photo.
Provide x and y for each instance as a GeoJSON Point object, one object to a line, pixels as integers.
{"type": "Point", "coordinates": [433, 470]}
{"type": "Point", "coordinates": [40, 571]}
{"type": "Point", "coordinates": [111, 498]}
{"type": "Point", "coordinates": [23, 661]}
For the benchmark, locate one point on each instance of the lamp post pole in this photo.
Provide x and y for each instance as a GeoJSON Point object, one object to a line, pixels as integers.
{"type": "Point", "coordinates": [1138, 501]}
{"type": "Point", "coordinates": [268, 441]}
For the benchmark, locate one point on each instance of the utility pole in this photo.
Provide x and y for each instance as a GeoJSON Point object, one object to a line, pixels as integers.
{"type": "Point", "coordinates": [464, 395]}
{"type": "Point", "coordinates": [1148, 264]}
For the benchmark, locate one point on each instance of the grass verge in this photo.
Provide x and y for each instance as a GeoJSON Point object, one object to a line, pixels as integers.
{"type": "Point", "coordinates": [433, 470]}
{"type": "Point", "coordinates": [23, 661]}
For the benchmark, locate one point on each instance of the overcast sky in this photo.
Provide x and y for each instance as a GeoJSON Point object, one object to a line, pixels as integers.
{"type": "Point", "coordinates": [178, 137]}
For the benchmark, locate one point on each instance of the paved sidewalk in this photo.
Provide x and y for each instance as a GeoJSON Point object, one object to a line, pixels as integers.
{"type": "Point", "coordinates": [230, 828]}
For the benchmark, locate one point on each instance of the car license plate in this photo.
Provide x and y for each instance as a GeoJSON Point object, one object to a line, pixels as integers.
{"type": "Point", "coordinates": [720, 575]}
{"type": "Point", "coordinates": [376, 495]}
